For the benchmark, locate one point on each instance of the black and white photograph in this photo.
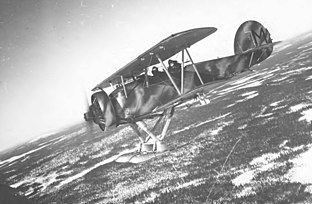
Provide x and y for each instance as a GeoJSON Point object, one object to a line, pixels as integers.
{"type": "Point", "coordinates": [155, 101]}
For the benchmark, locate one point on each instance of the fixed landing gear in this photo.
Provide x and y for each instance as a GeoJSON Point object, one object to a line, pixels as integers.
{"type": "Point", "coordinates": [153, 143]}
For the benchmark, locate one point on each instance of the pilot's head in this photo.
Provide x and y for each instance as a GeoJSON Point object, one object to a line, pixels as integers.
{"type": "Point", "coordinates": [171, 63]}
{"type": "Point", "coordinates": [155, 70]}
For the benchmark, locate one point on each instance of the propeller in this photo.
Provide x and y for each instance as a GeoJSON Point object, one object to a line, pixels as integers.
{"type": "Point", "coordinates": [94, 112]}
{"type": "Point", "coordinates": [86, 103]}
{"type": "Point", "coordinates": [86, 115]}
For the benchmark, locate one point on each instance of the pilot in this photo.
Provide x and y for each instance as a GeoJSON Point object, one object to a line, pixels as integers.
{"type": "Point", "coordinates": [174, 66]}
{"type": "Point", "coordinates": [155, 71]}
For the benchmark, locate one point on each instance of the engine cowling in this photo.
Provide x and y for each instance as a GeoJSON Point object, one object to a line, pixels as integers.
{"type": "Point", "coordinates": [101, 111]}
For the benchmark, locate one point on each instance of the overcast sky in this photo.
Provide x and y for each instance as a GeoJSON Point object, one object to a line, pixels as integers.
{"type": "Point", "coordinates": [51, 51]}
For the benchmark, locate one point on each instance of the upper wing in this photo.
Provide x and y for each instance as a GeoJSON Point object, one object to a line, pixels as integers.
{"type": "Point", "coordinates": [164, 49]}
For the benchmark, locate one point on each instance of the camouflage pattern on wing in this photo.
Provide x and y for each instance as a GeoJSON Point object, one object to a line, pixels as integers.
{"type": "Point", "coordinates": [164, 49]}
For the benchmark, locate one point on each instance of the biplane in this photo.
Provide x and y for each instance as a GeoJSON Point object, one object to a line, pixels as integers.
{"type": "Point", "coordinates": [146, 88]}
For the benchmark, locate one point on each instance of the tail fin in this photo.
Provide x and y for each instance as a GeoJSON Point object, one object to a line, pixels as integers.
{"type": "Point", "coordinates": [253, 37]}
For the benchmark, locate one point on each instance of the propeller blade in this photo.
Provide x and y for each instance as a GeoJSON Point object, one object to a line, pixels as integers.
{"type": "Point", "coordinates": [86, 101]}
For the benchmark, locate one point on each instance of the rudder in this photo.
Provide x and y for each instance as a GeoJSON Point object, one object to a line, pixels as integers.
{"type": "Point", "coordinates": [252, 36]}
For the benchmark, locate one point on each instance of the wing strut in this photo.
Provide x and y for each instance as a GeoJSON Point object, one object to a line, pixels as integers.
{"type": "Point", "coordinates": [146, 78]}
{"type": "Point", "coordinates": [123, 85]}
{"type": "Point", "coordinates": [251, 58]}
{"type": "Point", "coordinates": [169, 75]}
{"type": "Point", "coordinates": [111, 84]}
{"type": "Point", "coordinates": [182, 73]}
{"type": "Point", "coordinates": [201, 81]}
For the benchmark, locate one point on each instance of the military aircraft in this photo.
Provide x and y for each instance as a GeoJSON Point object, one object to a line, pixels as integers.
{"type": "Point", "coordinates": [139, 95]}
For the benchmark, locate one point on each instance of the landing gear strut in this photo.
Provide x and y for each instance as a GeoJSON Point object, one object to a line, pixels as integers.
{"type": "Point", "coordinates": [153, 143]}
